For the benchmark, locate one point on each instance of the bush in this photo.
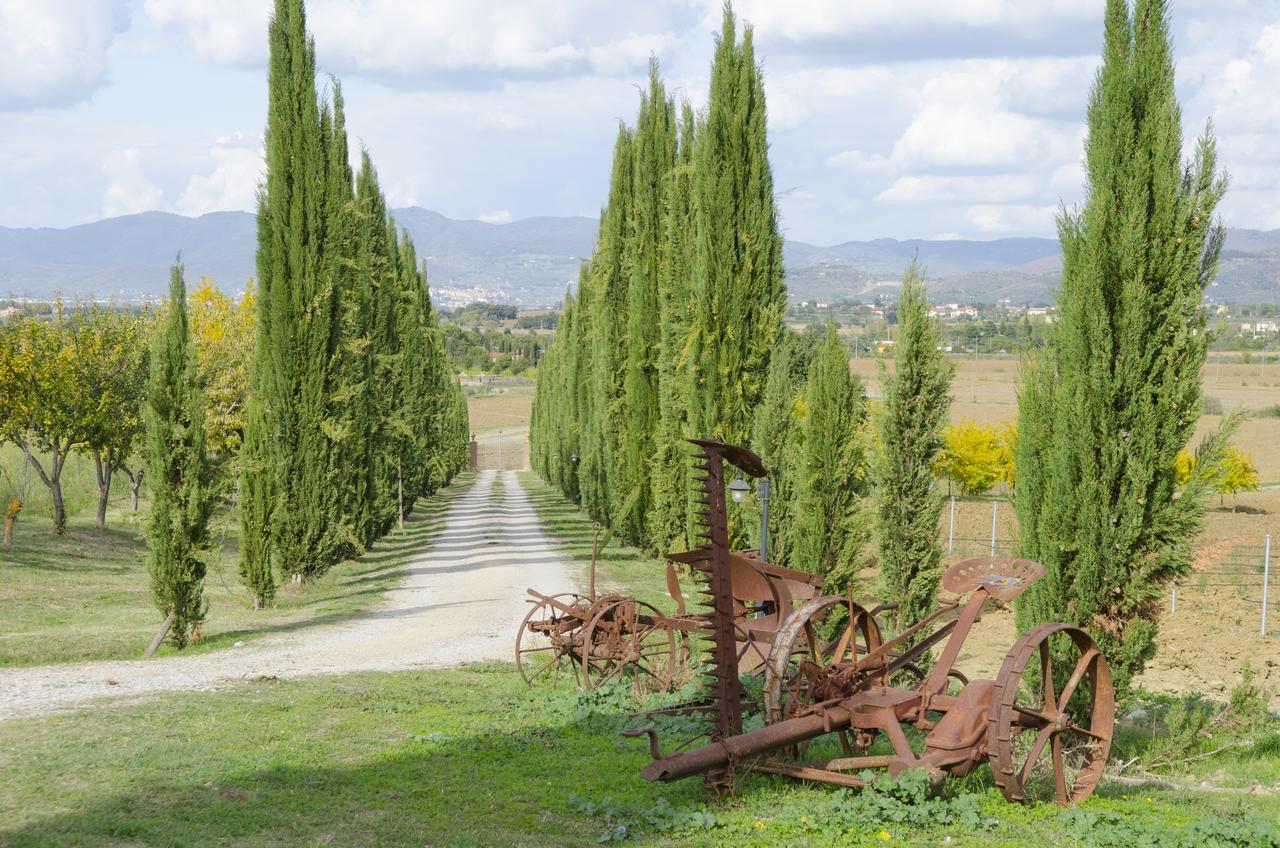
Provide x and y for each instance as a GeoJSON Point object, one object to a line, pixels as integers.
{"type": "Point", "coordinates": [1210, 405]}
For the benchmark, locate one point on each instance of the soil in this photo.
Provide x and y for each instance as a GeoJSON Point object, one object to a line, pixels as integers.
{"type": "Point", "coordinates": [460, 601]}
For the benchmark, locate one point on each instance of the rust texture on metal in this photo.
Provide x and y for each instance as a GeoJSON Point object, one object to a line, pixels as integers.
{"type": "Point", "coordinates": [592, 639]}
{"type": "Point", "coordinates": [717, 591]}
{"type": "Point", "coordinates": [830, 671]}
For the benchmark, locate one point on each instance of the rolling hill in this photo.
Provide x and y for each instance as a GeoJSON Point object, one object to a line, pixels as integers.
{"type": "Point", "coordinates": [532, 261]}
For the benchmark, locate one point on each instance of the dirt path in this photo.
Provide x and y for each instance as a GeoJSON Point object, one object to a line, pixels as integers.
{"type": "Point", "coordinates": [461, 600]}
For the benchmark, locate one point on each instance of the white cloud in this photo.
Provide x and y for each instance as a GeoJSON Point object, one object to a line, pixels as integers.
{"type": "Point", "coordinates": [965, 120]}
{"type": "Point", "coordinates": [233, 183]}
{"type": "Point", "coordinates": [129, 190]}
{"type": "Point", "coordinates": [857, 161]}
{"type": "Point", "coordinates": [795, 98]}
{"type": "Point", "coordinates": [997, 220]}
{"type": "Point", "coordinates": [501, 216]}
{"type": "Point", "coordinates": [410, 37]}
{"type": "Point", "coordinates": [992, 188]}
{"type": "Point", "coordinates": [227, 32]}
{"type": "Point", "coordinates": [55, 51]}
{"type": "Point", "coordinates": [804, 20]}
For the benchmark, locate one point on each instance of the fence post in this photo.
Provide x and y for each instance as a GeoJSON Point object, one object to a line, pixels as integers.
{"type": "Point", "coordinates": [951, 529]}
{"type": "Point", "coordinates": [499, 450]}
{"type": "Point", "coordinates": [995, 505]}
{"type": "Point", "coordinates": [1266, 578]}
{"type": "Point", "coordinates": [1173, 605]}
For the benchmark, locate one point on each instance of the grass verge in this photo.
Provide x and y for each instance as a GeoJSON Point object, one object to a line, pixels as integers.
{"type": "Point", "coordinates": [86, 595]}
{"type": "Point", "coordinates": [473, 757]}
{"type": "Point", "coordinates": [619, 569]}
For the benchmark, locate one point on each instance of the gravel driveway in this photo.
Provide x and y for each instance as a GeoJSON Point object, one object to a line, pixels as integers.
{"type": "Point", "coordinates": [461, 600]}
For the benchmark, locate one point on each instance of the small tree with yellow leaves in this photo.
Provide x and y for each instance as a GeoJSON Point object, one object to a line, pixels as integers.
{"type": "Point", "coordinates": [972, 458]}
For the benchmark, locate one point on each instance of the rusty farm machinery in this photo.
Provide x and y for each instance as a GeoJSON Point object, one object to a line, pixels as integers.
{"type": "Point", "coordinates": [830, 673]}
{"type": "Point", "coordinates": [595, 638]}
{"type": "Point", "coordinates": [1044, 723]}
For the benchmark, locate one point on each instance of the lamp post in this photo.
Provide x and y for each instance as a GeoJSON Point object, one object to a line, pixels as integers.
{"type": "Point", "coordinates": [763, 488]}
{"type": "Point", "coordinates": [738, 490]}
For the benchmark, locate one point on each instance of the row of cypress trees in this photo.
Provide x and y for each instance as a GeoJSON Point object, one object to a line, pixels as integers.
{"type": "Point", "coordinates": [676, 323]}
{"type": "Point", "coordinates": [677, 311]}
{"type": "Point", "coordinates": [352, 411]}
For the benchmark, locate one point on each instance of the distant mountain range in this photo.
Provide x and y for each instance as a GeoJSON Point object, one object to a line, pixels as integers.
{"type": "Point", "coordinates": [531, 262]}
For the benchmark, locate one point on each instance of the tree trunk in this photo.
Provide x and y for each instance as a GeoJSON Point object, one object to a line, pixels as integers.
{"type": "Point", "coordinates": [53, 480]}
{"type": "Point", "coordinates": [103, 471]}
{"type": "Point", "coordinates": [400, 493]}
{"type": "Point", "coordinates": [135, 483]}
{"type": "Point", "coordinates": [59, 508]}
{"type": "Point", "coordinates": [10, 517]}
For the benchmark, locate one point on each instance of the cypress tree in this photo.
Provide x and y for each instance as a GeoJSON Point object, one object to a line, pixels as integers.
{"type": "Point", "coordinates": [830, 520]}
{"type": "Point", "coordinates": [739, 295]}
{"type": "Point", "coordinates": [776, 439]}
{"type": "Point", "coordinates": [182, 496]}
{"type": "Point", "coordinates": [911, 426]}
{"type": "Point", "coordinates": [654, 151]}
{"type": "Point", "coordinates": [294, 314]}
{"type": "Point", "coordinates": [1107, 406]}
{"type": "Point", "coordinates": [669, 484]}
{"type": "Point", "coordinates": [345, 442]}
{"type": "Point", "coordinates": [602, 452]}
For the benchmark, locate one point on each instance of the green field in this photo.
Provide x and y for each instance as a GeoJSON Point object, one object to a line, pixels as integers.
{"type": "Point", "coordinates": [472, 757]}
{"type": "Point", "coordinates": [86, 596]}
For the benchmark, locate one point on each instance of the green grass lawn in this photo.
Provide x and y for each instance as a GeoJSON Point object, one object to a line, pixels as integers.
{"type": "Point", "coordinates": [472, 757]}
{"type": "Point", "coordinates": [86, 595]}
{"type": "Point", "coordinates": [619, 568]}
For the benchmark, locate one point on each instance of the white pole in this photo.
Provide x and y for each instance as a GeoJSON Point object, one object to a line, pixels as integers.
{"type": "Point", "coordinates": [1266, 578]}
{"type": "Point", "coordinates": [1173, 605]}
{"type": "Point", "coordinates": [994, 506]}
{"type": "Point", "coordinates": [499, 450]}
{"type": "Point", "coordinates": [951, 530]}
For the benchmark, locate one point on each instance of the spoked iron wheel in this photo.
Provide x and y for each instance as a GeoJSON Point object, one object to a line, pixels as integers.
{"type": "Point", "coordinates": [626, 633]}
{"type": "Point", "coordinates": [1049, 739]}
{"type": "Point", "coordinates": [546, 641]}
{"type": "Point", "coordinates": [819, 634]}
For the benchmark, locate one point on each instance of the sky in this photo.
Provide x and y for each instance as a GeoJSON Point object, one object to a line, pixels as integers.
{"type": "Point", "coordinates": [887, 118]}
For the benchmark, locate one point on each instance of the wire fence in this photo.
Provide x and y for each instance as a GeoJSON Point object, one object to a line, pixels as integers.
{"type": "Point", "coordinates": [1243, 574]}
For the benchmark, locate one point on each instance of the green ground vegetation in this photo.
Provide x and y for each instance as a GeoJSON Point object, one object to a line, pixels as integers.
{"type": "Point", "coordinates": [85, 596]}
{"type": "Point", "coordinates": [473, 757]}
{"type": "Point", "coordinates": [619, 568]}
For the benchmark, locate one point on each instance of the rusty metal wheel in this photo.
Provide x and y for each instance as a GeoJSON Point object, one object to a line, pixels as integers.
{"type": "Point", "coordinates": [625, 633]}
{"type": "Point", "coordinates": [1045, 741]}
{"type": "Point", "coordinates": [547, 639]}
{"type": "Point", "coordinates": [820, 633]}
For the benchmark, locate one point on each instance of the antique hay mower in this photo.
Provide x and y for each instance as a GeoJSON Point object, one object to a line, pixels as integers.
{"type": "Point", "coordinates": [1046, 739]}
{"type": "Point", "coordinates": [594, 639]}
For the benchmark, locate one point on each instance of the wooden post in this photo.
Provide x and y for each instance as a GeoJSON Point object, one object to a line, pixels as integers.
{"type": "Point", "coordinates": [595, 541]}
{"type": "Point", "coordinates": [159, 640]}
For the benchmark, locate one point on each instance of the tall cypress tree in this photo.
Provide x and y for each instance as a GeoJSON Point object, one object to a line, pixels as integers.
{"type": "Point", "coordinates": [831, 526]}
{"type": "Point", "coordinates": [1106, 408]}
{"type": "Point", "coordinates": [776, 439]}
{"type": "Point", "coordinates": [670, 511]}
{"type": "Point", "coordinates": [654, 151]}
{"type": "Point", "coordinates": [294, 313]}
{"type": "Point", "coordinates": [182, 495]}
{"type": "Point", "coordinates": [911, 426]}
{"type": "Point", "coordinates": [602, 453]}
{"type": "Point", "coordinates": [740, 298]}
{"type": "Point", "coordinates": [344, 445]}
